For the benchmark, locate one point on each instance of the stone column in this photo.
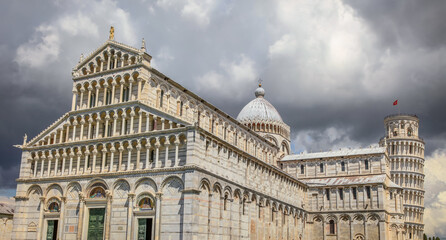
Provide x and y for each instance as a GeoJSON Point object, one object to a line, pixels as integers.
{"type": "Point", "coordinates": [64, 158]}
{"type": "Point", "coordinates": [98, 120]}
{"type": "Point", "coordinates": [107, 118]}
{"type": "Point", "coordinates": [166, 145]}
{"type": "Point", "coordinates": [74, 129]}
{"type": "Point", "coordinates": [97, 96]}
{"type": "Point", "coordinates": [121, 95]}
{"type": "Point", "coordinates": [139, 120]}
{"type": "Point", "coordinates": [87, 154]}
{"type": "Point", "coordinates": [113, 91]}
{"type": "Point", "coordinates": [138, 156]}
{"type": "Point", "coordinates": [42, 159]}
{"type": "Point", "coordinates": [50, 157]}
{"type": "Point", "coordinates": [104, 99]}
{"type": "Point", "coordinates": [129, 159]}
{"type": "Point", "coordinates": [90, 121]}
{"type": "Point", "coordinates": [130, 88]}
{"type": "Point", "coordinates": [109, 196]}
{"type": "Point", "coordinates": [129, 234]}
{"type": "Point", "coordinates": [82, 89]}
{"type": "Point", "coordinates": [147, 155]}
{"type": "Point", "coordinates": [157, 146]}
{"type": "Point", "coordinates": [80, 222]}
{"type": "Point", "coordinates": [115, 117]}
{"type": "Point", "coordinates": [132, 115]}
{"type": "Point", "coordinates": [147, 122]}
{"type": "Point", "coordinates": [158, 216]}
{"type": "Point", "coordinates": [67, 131]}
{"type": "Point", "coordinates": [89, 96]}
{"type": "Point", "coordinates": [36, 162]}
{"type": "Point", "coordinates": [112, 156]}
{"type": "Point", "coordinates": [93, 165]}
{"type": "Point", "coordinates": [78, 163]}
{"type": "Point", "coordinates": [104, 158]}
{"type": "Point", "coordinates": [62, 218]}
{"type": "Point", "coordinates": [120, 149]}
{"type": "Point", "coordinates": [177, 144]}
{"type": "Point", "coordinates": [82, 122]}
{"type": "Point", "coordinates": [73, 102]}
{"type": "Point", "coordinates": [40, 226]}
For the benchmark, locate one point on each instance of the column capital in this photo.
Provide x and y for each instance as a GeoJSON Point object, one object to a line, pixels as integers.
{"type": "Point", "coordinates": [82, 89]}
{"type": "Point", "coordinates": [90, 88]}
{"type": "Point", "coordinates": [113, 149]}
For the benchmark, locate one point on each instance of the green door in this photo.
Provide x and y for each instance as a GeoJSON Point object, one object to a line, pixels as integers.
{"type": "Point", "coordinates": [96, 224]}
{"type": "Point", "coordinates": [145, 228]}
{"type": "Point", "coordinates": [51, 233]}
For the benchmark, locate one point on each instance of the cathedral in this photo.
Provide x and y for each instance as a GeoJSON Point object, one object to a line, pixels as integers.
{"type": "Point", "coordinates": [139, 156]}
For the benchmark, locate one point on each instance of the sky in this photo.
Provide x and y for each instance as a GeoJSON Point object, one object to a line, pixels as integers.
{"type": "Point", "coordinates": [331, 68]}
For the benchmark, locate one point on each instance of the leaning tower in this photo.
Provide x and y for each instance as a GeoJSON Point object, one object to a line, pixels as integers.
{"type": "Point", "coordinates": [406, 153]}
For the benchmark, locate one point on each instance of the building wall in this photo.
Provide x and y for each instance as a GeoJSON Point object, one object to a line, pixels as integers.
{"type": "Point", "coordinates": [5, 226]}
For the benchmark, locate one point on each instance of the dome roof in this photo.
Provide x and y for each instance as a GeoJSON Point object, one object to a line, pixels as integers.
{"type": "Point", "coordinates": [259, 110]}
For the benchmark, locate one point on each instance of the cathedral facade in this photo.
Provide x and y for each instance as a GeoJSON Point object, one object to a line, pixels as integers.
{"type": "Point", "coordinates": [139, 156]}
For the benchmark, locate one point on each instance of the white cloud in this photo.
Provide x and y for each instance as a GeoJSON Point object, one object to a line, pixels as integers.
{"type": "Point", "coordinates": [196, 11]}
{"type": "Point", "coordinates": [435, 196]}
{"type": "Point", "coordinates": [331, 138]}
{"type": "Point", "coordinates": [232, 76]}
{"type": "Point", "coordinates": [50, 38]}
{"type": "Point", "coordinates": [78, 24]}
{"type": "Point", "coordinates": [42, 49]}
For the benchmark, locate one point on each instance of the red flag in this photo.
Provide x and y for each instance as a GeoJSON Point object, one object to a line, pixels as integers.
{"type": "Point", "coordinates": [395, 103]}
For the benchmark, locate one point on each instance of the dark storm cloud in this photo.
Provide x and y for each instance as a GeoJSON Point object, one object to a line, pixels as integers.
{"type": "Point", "coordinates": [332, 69]}
{"type": "Point", "coordinates": [416, 22]}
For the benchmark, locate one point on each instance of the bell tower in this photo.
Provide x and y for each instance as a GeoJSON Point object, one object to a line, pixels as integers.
{"type": "Point", "coordinates": [406, 152]}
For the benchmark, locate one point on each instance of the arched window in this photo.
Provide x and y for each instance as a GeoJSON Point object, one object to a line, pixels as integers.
{"type": "Point", "coordinates": [332, 226]}
{"type": "Point", "coordinates": [161, 98]}
{"type": "Point", "coordinates": [181, 108]}
{"type": "Point", "coordinates": [302, 169]}
{"type": "Point", "coordinates": [108, 97]}
{"type": "Point", "coordinates": [152, 156]}
{"type": "Point", "coordinates": [146, 203]}
{"type": "Point", "coordinates": [343, 166]}
{"type": "Point", "coordinates": [54, 206]}
{"type": "Point", "coordinates": [321, 167]}
{"type": "Point", "coordinates": [97, 192]}
{"type": "Point", "coordinates": [409, 132]}
{"type": "Point", "coordinates": [225, 203]}
{"type": "Point", "coordinates": [395, 133]}
{"type": "Point", "coordinates": [92, 100]}
{"type": "Point", "coordinates": [366, 164]}
{"type": "Point", "coordinates": [125, 94]}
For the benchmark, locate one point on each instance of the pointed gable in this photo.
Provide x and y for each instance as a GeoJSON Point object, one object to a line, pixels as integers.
{"type": "Point", "coordinates": [110, 55]}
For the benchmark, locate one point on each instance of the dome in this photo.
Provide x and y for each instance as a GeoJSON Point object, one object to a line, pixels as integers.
{"type": "Point", "coordinates": [259, 110]}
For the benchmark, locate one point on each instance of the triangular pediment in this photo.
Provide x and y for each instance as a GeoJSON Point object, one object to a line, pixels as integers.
{"type": "Point", "coordinates": [52, 129]}
{"type": "Point", "coordinates": [112, 49]}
